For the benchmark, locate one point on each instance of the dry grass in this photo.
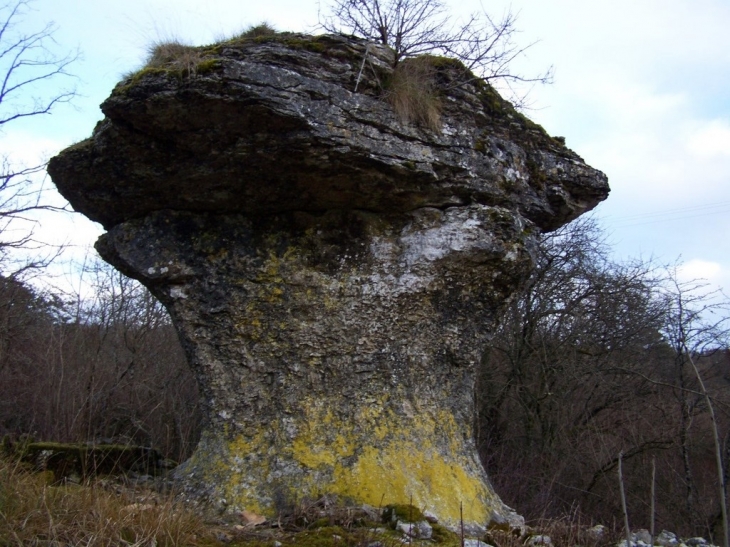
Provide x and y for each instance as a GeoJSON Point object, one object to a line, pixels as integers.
{"type": "Point", "coordinates": [34, 512]}
{"type": "Point", "coordinates": [413, 94]}
{"type": "Point", "coordinates": [174, 55]}
{"type": "Point", "coordinates": [256, 31]}
{"type": "Point", "coordinates": [562, 533]}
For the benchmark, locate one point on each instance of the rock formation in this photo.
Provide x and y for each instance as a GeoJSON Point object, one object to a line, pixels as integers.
{"type": "Point", "coordinates": [332, 269]}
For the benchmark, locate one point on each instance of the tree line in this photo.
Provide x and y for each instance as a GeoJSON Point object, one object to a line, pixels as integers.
{"type": "Point", "coordinates": [593, 359]}
{"type": "Point", "coordinates": [103, 366]}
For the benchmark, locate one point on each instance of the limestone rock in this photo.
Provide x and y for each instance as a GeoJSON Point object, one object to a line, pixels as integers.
{"type": "Point", "coordinates": [332, 270]}
{"type": "Point", "coordinates": [641, 535]}
{"type": "Point", "coordinates": [275, 127]}
{"type": "Point", "coordinates": [417, 530]}
{"type": "Point", "coordinates": [507, 520]}
{"type": "Point", "coordinates": [642, 538]}
{"type": "Point", "coordinates": [597, 532]}
{"type": "Point", "coordinates": [430, 517]}
{"type": "Point", "coordinates": [666, 539]}
{"type": "Point", "coordinates": [539, 541]}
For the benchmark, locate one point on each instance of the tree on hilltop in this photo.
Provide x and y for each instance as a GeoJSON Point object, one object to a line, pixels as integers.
{"type": "Point", "coordinates": [484, 45]}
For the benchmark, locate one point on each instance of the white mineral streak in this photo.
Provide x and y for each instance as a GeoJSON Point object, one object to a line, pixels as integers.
{"type": "Point", "coordinates": [512, 174]}
{"type": "Point", "coordinates": [459, 235]}
{"type": "Point", "coordinates": [394, 285]}
{"type": "Point", "coordinates": [177, 292]}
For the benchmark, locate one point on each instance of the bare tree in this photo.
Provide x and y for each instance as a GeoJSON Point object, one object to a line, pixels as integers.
{"type": "Point", "coordinates": [134, 381]}
{"type": "Point", "coordinates": [551, 398]}
{"type": "Point", "coordinates": [484, 45]}
{"type": "Point", "coordinates": [697, 325]}
{"type": "Point", "coordinates": [31, 84]}
{"type": "Point", "coordinates": [27, 59]}
{"type": "Point", "coordinates": [594, 358]}
{"type": "Point", "coordinates": [99, 361]}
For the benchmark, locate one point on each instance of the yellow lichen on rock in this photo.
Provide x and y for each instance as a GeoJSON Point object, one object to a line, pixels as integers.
{"type": "Point", "coordinates": [370, 458]}
{"type": "Point", "coordinates": [219, 463]}
{"type": "Point", "coordinates": [399, 473]}
{"type": "Point", "coordinates": [372, 464]}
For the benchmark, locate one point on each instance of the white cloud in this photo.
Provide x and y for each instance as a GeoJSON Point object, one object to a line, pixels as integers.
{"type": "Point", "coordinates": [710, 140]}
{"type": "Point", "coordinates": [47, 231]}
{"type": "Point", "coordinates": [698, 269]}
{"type": "Point", "coordinates": [707, 281]}
{"type": "Point", "coordinates": [28, 149]}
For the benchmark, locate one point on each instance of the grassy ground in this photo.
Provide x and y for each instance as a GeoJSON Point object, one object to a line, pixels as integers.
{"type": "Point", "coordinates": [36, 510]}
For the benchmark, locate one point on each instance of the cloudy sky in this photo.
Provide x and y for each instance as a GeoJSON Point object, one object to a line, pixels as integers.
{"type": "Point", "coordinates": [641, 91]}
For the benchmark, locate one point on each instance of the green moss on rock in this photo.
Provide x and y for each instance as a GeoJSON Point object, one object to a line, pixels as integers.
{"type": "Point", "coordinates": [402, 512]}
{"type": "Point", "coordinates": [443, 536]}
{"type": "Point", "coordinates": [208, 65]}
{"type": "Point", "coordinates": [84, 460]}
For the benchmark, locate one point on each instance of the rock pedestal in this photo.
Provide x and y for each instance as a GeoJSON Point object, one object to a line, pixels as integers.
{"type": "Point", "coordinates": [333, 271]}
{"type": "Point", "coordinates": [336, 352]}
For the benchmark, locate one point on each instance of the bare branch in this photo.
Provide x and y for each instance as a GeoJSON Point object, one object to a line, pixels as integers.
{"type": "Point", "coordinates": [483, 44]}
{"type": "Point", "coordinates": [29, 68]}
{"type": "Point", "coordinates": [26, 61]}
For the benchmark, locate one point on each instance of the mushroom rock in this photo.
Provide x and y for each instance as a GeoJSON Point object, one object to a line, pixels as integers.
{"type": "Point", "coordinates": [332, 270]}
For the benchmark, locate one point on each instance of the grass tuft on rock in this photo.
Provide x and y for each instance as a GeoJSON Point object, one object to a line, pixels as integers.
{"type": "Point", "coordinates": [413, 93]}
{"type": "Point", "coordinates": [174, 55]}
{"type": "Point", "coordinates": [256, 31]}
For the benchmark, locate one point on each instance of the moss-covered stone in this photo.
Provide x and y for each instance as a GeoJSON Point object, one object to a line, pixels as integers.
{"type": "Point", "coordinates": [83, 460]}
{"type": "Point", "coordinates": [208, 65]}
{"type": "Point", "coordinates": [444, 536]}
{"type": "Point", "coordinates": [403, 512]}
{"type": "Point", "coordinates": [442, 62]}
{"type": "Point", "coordinates": [138, 76]}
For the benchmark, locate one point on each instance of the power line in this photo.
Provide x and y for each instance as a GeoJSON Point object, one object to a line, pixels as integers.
{"type": "Point", "coordinates": [669, 215]}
